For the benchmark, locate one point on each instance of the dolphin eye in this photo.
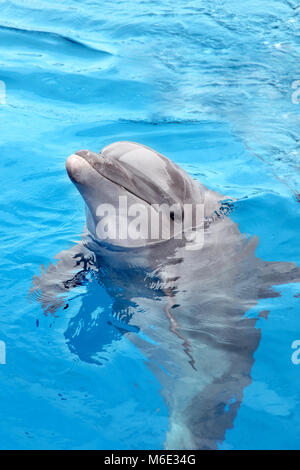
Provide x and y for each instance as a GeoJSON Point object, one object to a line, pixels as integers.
{"type": "Point", "coordinates": [172, 215]}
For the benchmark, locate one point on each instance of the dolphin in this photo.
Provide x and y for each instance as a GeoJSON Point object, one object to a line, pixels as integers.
{"type": "Point", "coordinates": [181, 300]}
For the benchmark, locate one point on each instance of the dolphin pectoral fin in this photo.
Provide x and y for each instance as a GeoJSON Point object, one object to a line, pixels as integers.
{"type": "Point", "coordinates": [276, 273]}
{"type": "Point", "coordinates": [70, 270]}
{"type": "Point", "coordinates": [44, 293]}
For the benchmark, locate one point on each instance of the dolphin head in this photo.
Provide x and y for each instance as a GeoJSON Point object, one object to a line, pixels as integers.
{"type": "Point", "coordinates": [124, 180]}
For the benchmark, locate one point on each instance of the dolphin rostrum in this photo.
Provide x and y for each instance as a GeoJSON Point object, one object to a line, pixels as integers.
{"type": "Point", "coordinates": [187, 295]}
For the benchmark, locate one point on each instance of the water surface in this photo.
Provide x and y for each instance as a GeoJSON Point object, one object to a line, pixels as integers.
{"type": "Point", "coordinates": [209, 84]}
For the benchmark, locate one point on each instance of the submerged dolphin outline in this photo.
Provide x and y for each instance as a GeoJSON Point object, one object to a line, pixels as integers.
{"type": "Point", "coordinates": [200, 345]}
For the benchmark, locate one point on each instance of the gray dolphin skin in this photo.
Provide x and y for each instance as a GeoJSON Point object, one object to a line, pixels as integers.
{"type": "Point", "coordinates": [189, 304]}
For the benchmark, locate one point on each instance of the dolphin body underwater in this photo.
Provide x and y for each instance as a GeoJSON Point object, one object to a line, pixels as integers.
{"type": "Point", "coordinates": [189, 304]}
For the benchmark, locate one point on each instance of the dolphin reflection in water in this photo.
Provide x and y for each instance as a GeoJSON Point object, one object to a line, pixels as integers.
{"type": "Point", "coordinates": [181, 301]}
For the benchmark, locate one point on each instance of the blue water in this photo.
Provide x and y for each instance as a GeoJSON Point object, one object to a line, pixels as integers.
{"type": "Point", "coordinates": [209, 84]}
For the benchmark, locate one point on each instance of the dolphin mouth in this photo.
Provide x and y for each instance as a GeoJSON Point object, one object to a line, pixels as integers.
{"type": "Point", "coordinates": [93, 159]}
{"type": "Point", "coordinates": [97, 162]}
